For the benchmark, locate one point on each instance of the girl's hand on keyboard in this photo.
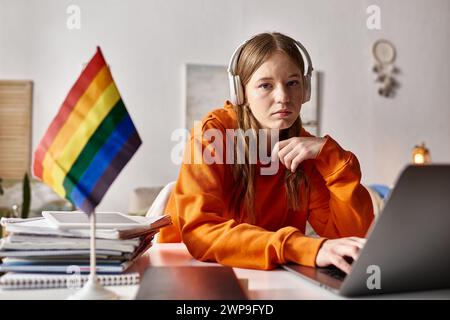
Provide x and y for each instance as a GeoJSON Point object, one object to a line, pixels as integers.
{"type": "Point", "coordinates": [337, 251]}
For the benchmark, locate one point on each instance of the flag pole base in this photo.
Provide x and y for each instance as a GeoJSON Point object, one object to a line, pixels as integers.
{"type": "Point", "coordinates": [92, 290]}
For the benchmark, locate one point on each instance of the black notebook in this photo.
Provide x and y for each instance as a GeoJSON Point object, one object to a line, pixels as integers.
{"type": "Point", "coordinates": [190, 283]}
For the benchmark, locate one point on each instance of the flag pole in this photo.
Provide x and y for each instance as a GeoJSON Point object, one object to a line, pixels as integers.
{"type": "Point", "coordinates": [93, 290]}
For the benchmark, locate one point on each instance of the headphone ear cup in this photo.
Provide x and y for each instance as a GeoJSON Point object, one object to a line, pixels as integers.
{"type": "Point", "coordinates": [306, 88]}
{"type": "Point", "coordinates": [239, 90]}
{"type": "Point", "coordinates": [233, 93]}
{"type": "Point", "coordinates": [232, 89]}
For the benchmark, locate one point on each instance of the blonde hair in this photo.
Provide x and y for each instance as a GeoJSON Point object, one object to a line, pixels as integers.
{"type": "Point", "coordinates": [256, 51]}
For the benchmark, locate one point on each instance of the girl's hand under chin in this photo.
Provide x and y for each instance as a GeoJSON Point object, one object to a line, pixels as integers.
{"type": "Point", "coordinates": [293, 151]}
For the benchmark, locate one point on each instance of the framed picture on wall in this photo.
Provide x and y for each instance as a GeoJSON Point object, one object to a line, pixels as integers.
{"type": "Point", "coordinates": [206, 90]}
{"type": "Point", "coordinates": [310, 110]}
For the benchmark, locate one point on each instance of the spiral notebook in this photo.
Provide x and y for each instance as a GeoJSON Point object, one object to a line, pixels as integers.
{"type": "Point", "coordinates": [12, 281]}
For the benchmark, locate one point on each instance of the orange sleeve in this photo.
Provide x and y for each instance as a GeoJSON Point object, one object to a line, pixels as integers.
{"type": "Point", "coordinates": [211, 236]}
{"type": "Point", "coordinates": [340, 206]}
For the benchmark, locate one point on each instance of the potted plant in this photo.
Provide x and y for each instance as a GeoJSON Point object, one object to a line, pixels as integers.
{"type": "Point", "coordinates": [18, 211]}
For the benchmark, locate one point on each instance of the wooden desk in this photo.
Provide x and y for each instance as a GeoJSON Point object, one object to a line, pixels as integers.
{"type": "Point", "coordinates": [275, 284]}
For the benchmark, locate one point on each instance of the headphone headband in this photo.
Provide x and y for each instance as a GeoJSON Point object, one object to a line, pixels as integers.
{"type": "Point", "coordinates": [235, 57]}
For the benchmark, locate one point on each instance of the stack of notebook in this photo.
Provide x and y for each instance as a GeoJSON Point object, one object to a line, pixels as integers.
{"type": "Point", "coordinates": [36, 246]}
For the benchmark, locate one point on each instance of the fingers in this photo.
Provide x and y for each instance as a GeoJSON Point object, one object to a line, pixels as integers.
{"type": "Point", "coordinates": [343, 265]}
{"type": "Point", "coordinates": [351, 251]}
{"type": "Point", "coordinates": [360, 242]}
{"type": "Point", "coordinates": [350, 247]}
{"type": "Point", "coordinates": [297, 160]}
{"type": "Point", "coordinates": [293, 151]}
{"type": "Point", "coordinates": [275, 152]}
{"type": "Point", "coordinates": [353, 241]}
{"type": "Point", "coordinates": [293, 159]}
{"type": "Point", "coordinates": [282, 153]}
{"type": "Point", "coordinates": [336, 251]}
{"type": "Point", "coordinates": [286, 153]}
{"type": "Point", "coordinates": [287, 160]}
{"type": "Point", "coordinates": [284, 143]}
{"type": "Point", "coordinates": [277, 147]}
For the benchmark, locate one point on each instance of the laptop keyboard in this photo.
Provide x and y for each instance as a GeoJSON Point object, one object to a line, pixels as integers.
{"type": "Point", "coordinates": [335, 273]}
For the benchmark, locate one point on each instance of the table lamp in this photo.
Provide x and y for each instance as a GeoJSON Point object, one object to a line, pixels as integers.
{"type": "Point", "coordinates": [421, 155]}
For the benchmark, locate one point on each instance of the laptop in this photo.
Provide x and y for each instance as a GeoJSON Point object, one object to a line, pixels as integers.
{"type": "Point", "coordinates": [407, 247]}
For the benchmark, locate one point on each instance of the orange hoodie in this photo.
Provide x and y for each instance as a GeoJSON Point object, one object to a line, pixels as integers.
{"type": "Point", "coordinates": [338, 206]}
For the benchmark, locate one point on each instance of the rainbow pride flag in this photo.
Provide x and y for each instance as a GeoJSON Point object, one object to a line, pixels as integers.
{"type": "Point", "coordinates": [89, 141]}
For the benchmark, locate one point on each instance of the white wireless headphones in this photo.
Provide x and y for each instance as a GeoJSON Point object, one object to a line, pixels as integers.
{"type": "Point", "coordinates": [237, 90]}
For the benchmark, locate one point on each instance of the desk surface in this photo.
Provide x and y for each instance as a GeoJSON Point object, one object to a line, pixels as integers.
{"type": "Point", "coordinates": [274, 284]}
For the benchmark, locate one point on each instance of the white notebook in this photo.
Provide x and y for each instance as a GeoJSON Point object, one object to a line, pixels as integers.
{"type": "Point", "coordinates": [13, 280]}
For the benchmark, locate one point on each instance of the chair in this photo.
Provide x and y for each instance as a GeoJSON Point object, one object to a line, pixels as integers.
{"type": "Point", "coordinates": [379, 194]}
{"type": "Point", "coordinates": [159, 204]}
